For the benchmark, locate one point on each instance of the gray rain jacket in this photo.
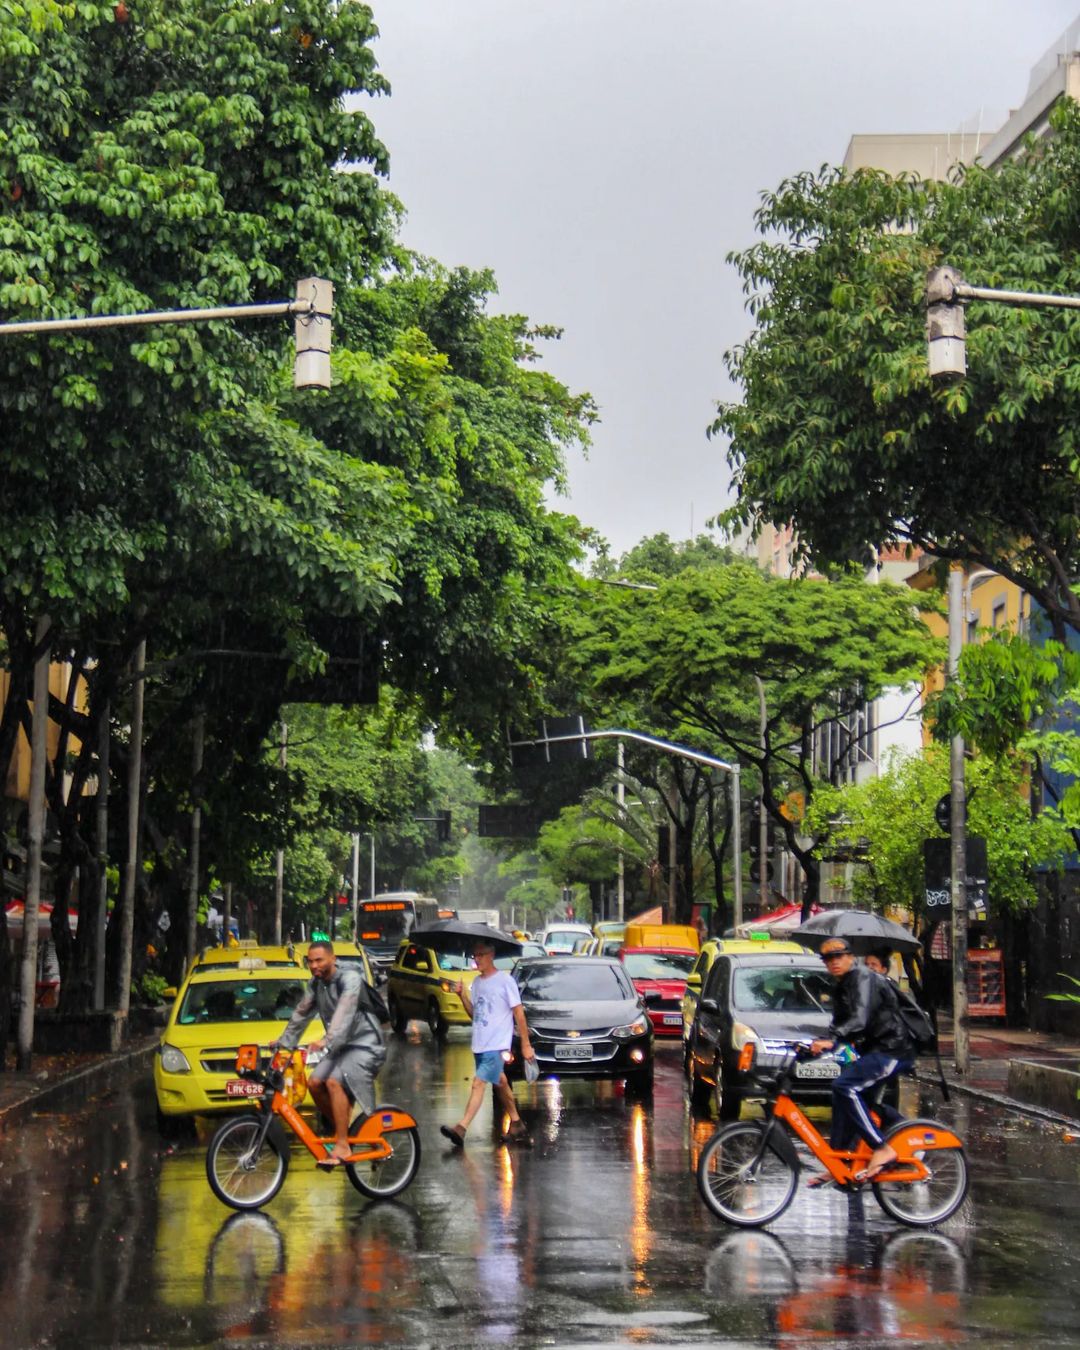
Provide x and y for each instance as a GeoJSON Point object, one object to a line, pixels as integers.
{"type": "Point", "coordinates": [340, 1003]}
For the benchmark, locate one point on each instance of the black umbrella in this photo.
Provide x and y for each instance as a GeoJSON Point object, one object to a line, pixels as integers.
{"type": "Point", "coordinates": [864, 932]}
{"type": "Point", "coordinates": [453, 935]}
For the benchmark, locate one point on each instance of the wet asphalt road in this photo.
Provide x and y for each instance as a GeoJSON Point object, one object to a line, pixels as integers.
{"type": "Point", "coordinates": [595, 1236]}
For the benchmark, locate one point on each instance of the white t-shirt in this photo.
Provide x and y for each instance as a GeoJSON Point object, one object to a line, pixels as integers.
{"type": "Point", "coordinates": [494, 998]}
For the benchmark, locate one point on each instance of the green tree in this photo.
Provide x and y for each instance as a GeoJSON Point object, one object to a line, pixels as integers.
{"type": "Point", "coordinates": [173, 488]}
{"type": "Point", "coordinates": [894, 813]}
{"type": "Point", "coordinates": [700, 648]}
{"type": "Point", "coordinates": [839, 429]}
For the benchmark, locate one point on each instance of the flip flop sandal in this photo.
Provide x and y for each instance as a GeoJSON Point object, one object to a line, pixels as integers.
{"type": "Point", "coordinates": [820, 1180]}
{"type": "Point", "coordinates": [329, 1163]}
{"type": "Point", "coordinates": [456, 1137]}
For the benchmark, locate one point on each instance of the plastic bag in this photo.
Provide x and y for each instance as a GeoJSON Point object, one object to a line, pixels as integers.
{"type": "Point", "coordinates": [532, 1070]}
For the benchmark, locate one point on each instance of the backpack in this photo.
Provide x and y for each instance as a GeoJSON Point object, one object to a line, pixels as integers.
{"type": "Point", "coordinates": [919, 1026]}
{"type": "Point", "coordinates": [374, 1003]}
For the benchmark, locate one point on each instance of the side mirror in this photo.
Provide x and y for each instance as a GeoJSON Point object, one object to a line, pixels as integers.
{"type": "Point", "coordinates": [709, 1005]}
{"type": "Point", "coordinates": [694, 982]}
{"type": "Point", "coordinates": [423, 965]}
{"type": "Point", "coordinates": [169, 993]}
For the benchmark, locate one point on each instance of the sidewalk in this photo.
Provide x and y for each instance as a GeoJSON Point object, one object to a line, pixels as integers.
{"type": "Point", "coordinates": [993, 1048]}
{"type": "Point", "coordinates": [66, 1082]}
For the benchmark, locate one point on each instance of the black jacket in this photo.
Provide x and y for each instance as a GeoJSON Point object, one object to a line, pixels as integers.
{"type": "Point", "coordinates": [866, 1014]}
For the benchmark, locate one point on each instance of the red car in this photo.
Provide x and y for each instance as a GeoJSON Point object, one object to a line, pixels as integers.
{"type": "Point", "coordinates": [659, 975]}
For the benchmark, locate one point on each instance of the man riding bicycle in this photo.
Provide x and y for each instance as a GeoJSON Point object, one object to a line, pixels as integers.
{"type": "Point", "coordinates": [866, 1015]}
{"type": "Point", "coordinates": [353, 1042]}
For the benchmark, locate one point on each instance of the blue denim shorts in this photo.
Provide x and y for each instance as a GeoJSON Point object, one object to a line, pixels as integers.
{"type": "Point", "coordinates": [490, 1065]}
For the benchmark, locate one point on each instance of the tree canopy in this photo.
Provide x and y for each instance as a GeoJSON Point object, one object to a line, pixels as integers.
{"type": "Point", "coordinates": [268, 544]}
{"type": "Point", "coordinates": [700, 654]}
{"type": "Point", "coordinates": [839, 430]}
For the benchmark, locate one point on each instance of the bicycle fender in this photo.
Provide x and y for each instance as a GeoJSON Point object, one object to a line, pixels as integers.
{"type": "Point", "coordinates": [914, 1136]}
{"type": "Point", "coordinates": [780, 1143]}
{"type": "Point", "coordinates": [385, 1118]}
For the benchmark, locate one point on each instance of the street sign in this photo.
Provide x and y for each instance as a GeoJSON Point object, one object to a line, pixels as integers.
{"type": "Point", "coordinates": [937, 865]}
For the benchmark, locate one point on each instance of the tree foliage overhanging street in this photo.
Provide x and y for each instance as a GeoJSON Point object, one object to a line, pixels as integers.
{"type": "Point", "coordinates": [839, 430]}
{"type": "Point", "coordinates": [173, 488]}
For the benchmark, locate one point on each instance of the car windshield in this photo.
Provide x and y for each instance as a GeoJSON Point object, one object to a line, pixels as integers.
{"type": "Point", "coordinates": [240, 1001]}
{"type": "Point", "coordinates": [564, 940]}
{"type": "Point", "coordinates": [572, 983]}
{"type": "Point", "coordinates": [658, 965]}
{"type": "Point", "coordinates": [781, 989]}
{"type": "Point", "coordinates": [455, 961]}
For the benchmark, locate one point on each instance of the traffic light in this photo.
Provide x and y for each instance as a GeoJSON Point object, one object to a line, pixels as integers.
{"type": "Point", "coordinates": [945, 337]}
{"type": "Point", "coordinates": [442, 826]}
{"type": "Point", "coordinates": [312, 333]}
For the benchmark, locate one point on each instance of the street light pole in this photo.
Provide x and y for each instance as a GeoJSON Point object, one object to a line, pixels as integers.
{"type": "Point", "coordinates": [683, 752]}
{"type": "Point", "coordinates": [958, 835]}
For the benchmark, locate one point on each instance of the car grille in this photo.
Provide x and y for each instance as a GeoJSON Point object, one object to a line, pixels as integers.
{"type": "Point", "coordinates": [775, 1047]}
{"type": "Point", "coordinates": [561, 1034]}
{"type": "Point", "coordinates": [666, 1004]}
{"type": "Point", "coordinates": [223, 1059]}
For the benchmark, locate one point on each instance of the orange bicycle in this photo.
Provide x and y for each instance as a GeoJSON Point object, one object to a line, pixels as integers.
{"type": "Point", "coordinates": [248, 1157]}
{"type": "Point", "coordinates": [748, 1171]}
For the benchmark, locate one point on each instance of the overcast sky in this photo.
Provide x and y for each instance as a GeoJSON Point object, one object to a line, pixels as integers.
{"type": "Point", "coordinates": [602, 156]}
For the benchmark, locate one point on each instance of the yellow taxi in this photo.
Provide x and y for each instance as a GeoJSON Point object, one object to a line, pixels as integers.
{"type": "Point", "coordinates": [763, 942]}
{"type": "Point", "coordinates": [421, 984]}
{"type": "Point", "coordinates": [217, 1010]}
{"type": "Point", "coordinates": [242, 955]}
{"type": "Point", "coordinates": [351, 956]}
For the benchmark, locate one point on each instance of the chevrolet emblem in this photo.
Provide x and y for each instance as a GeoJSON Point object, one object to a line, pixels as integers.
{"type": "Point", "coordinates": [573, 1033]}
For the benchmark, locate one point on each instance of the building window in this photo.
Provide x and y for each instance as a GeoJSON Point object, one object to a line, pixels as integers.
{"type": "Point", "coordinates": [998, 614]}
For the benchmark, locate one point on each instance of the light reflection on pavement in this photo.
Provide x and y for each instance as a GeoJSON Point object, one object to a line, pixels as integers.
{"type": "Point", "coordinates": [593, 1236]}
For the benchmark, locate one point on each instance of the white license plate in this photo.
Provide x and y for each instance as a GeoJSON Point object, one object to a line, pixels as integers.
{"type": "Point", "coordinates": [670, 1021]}
{"type": "Point", "coordinates": [818, 1068]}
{"type": "Point", "coordinates": [573, 1050]}
{"type": "Point", "coordinates": [240, 1087]}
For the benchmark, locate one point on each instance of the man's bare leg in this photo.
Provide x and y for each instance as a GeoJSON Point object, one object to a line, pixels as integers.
{"type": "Point", "coordinates": [504, 1093]}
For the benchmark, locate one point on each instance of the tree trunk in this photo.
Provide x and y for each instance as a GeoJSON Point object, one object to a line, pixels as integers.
{"type": "Point", "coordinates": [126, 917]}
{"type": "Point", "coordinates": [39, 749]}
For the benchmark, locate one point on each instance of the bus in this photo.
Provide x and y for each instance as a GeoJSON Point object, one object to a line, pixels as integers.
{"type": "Point", "coordinates": [488, 916]}
{"type": "Point", "coordinates": [391, 916]}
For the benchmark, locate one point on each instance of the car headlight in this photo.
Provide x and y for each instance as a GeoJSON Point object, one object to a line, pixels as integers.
{"type": "Point", "coordinates": [446, 986]}
{"type": "Point", "coordinates": [173, 1060]}
{"type": "Point", "coordinates": [638, 1028]}
{"type": "Point", "coordinates": [742, 1035]}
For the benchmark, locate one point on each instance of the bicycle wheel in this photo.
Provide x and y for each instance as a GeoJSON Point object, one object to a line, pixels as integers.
{"type": "Point", "coordinates": [384, 1177]}
{"type": "Point", "coordinates": [921, 1203]}
{"type": "Point", "coordinates": [240, 1173]}
{"type": "Point", "coordinates": [737, 1185]}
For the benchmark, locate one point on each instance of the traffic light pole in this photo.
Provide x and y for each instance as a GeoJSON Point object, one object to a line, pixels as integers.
{"type": "Point", "coordinates": [312, 308]}
{"type": "Point", "coordinates": [683, 752]}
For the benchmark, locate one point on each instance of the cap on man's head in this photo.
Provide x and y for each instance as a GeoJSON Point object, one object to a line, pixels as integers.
{"type": "Point", "coordinates": [834, 947]}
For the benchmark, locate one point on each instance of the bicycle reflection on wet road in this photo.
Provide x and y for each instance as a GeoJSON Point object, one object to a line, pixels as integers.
{"type": "Point", "coordinates": [595, 1235]}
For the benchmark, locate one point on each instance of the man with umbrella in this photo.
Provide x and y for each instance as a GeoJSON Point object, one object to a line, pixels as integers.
{"type": "Point", "coordinates": [866, 1015]}
{"type": "Point", "coordinates": [494, 1004]}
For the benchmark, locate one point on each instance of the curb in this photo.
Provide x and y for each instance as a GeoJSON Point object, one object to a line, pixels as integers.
{"type": "Point", "coordinates": [1000, 1099]}
{"type": "Point", "coordinates": [76, 1089]}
